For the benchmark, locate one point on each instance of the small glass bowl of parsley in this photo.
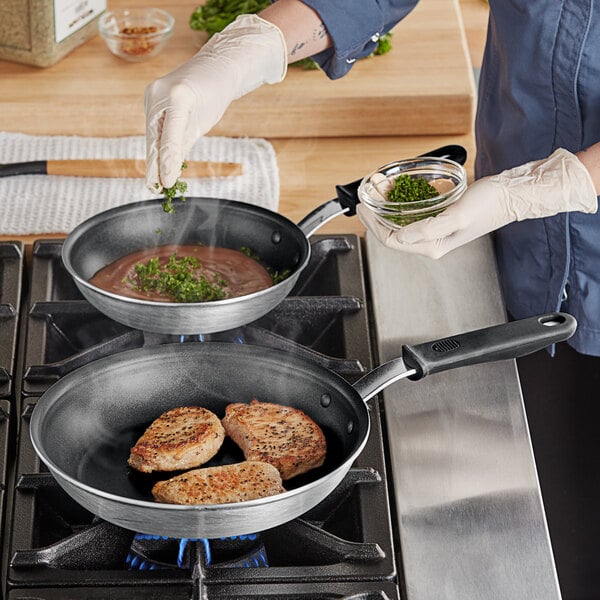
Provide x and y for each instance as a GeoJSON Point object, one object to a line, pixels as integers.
{"type": "Point", "coordinates": [409, 190]}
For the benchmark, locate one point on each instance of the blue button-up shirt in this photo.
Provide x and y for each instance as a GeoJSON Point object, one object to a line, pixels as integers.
{"type": "Point", "coordinates": [539, 90]}
{"type": "Point", "coordinates": [354, 27]}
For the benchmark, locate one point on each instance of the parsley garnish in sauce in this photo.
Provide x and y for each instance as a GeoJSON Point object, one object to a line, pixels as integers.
{"type": "Point", "coordinates": [177, 280]}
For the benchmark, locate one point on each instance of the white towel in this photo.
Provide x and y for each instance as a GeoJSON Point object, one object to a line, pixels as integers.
{"type": "Point", "coordinates": [31, 204]}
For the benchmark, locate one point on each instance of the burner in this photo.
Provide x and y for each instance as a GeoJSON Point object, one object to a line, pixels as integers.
{"type": "Point", "coordinates": [157, 552]}
{"type": "Point", "coordinates": [243, 551]}
{"type": "Point", "coordinates": [342, 548]}
{"type": "Point", "coordinates": [55, 542]}
{"type": "Point", "coordinates": [150, 552]}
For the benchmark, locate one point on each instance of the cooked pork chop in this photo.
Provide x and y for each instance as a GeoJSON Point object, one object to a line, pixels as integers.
{"type": "Point", "coordinates": [281, 435]}
{"type": "Point", "coordinates": [181, 438]}
{"type": "Point", "coordinates": [247, 480]}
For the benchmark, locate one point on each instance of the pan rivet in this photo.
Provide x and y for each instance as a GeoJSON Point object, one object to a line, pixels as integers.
{"type": "Point", "coordinates": [276, 237]}
{"type": "Point", "coordinates": [350, 427]}
{"type": "Point", "coordinates": [325, 400]}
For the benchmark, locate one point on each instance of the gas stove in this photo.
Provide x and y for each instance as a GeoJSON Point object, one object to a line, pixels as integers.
{"type": "Point", "coordinates": [52, 548]}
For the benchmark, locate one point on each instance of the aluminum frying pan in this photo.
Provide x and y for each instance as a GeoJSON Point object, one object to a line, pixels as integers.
{"type": "Point", "coordinates": [83, 427]}
{"type": "Point", "coordinates": [279, 243]}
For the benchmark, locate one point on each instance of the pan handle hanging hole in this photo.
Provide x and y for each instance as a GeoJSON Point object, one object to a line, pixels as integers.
{"type": "Point", "coordinates": [552, 320]}
{"type": "Point", "coordinates": [325, 400]}
{"type": "Point", "coordinates": [276, 237]}
{"type": "Point", "coordinates": [350, 427]}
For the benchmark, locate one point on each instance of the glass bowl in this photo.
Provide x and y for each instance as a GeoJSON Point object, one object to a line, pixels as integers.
{"type": "Point", "coordinates": [447, 176]}
{"type": "Point", "coordinates": [136, 34]}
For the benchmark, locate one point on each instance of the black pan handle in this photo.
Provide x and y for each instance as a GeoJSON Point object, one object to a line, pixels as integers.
{"type": "Point", "coordinates": [499, 342]}
{"type": "Point", "coordinates": [347, 194]}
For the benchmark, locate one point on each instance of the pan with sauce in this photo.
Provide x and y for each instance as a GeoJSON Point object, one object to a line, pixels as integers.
{"type": "Point", "coordinates": [222, 272]}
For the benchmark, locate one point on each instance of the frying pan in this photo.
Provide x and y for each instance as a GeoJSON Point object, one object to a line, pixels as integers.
{"type": "Point", "coordinates": [279, 243]}
{"type": "Point", "coordinates": [83, 427]}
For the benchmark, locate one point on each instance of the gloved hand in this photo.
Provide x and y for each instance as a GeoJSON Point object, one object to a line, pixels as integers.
{"type": "Point", "coordinates": [559, 183]}
{"type": "Point", "coordinates": [186, 103]}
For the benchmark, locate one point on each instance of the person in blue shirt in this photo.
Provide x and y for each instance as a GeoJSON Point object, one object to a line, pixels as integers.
{"type": "Point", "coordinates": [537, 121]}
{"type": "Point", "coordinates": [537, 174]}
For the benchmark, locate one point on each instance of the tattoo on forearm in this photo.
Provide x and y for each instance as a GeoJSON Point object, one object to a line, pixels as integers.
{"type": "Point", "coordinates": [297, 47]}
{"type": "Point", "coordinates": [318, 34]}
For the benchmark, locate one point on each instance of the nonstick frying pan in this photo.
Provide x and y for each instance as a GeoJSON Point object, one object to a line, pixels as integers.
{"type": "Point", "coordinates": [279, 243]}
{"type": "Point", "coordinates": [83, 427]}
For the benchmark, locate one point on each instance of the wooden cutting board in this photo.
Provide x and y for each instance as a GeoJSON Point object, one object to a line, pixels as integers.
{"type": "Point", "coordinates": [423, 86]}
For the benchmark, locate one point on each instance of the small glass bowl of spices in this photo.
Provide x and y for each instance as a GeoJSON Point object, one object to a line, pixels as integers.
{"type": "Point", "coordinates": [409, 190]}
{"type": "Point", "coordinates": [136, 34]}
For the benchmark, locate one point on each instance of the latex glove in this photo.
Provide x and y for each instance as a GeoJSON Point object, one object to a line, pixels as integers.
{"type": "Point", "coordinates": [559, 183]}
{"type": "Point", "coordinates": [186, 103]}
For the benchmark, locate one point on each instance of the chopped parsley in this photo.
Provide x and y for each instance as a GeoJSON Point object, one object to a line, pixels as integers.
{"type": "Point", "coordinates": [249, 253]}
{"type": "Point", "coordinates": [408, 219]}
{"type": "Point", "coordinates": [407, 188]}
{"type": "Point", "coordinates": [276, 276]}
{"type": "Point", "coordinates": [170, 193]}
{"type": "Point", "coordinates": [176, 279]}
{"type": "Point", "coordinates": [214, 15]}
{"type": "Point", "coordinates": [384, 44]}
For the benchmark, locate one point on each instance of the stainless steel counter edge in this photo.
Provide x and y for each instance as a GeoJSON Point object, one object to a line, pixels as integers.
{"type": "Point", "coordinates": [470, 514]}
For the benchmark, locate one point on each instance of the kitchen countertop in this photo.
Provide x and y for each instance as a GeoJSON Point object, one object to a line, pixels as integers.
{"type": "Point", "coordinates": [471, 520]}
{"type": "Point", "coordinates": [415, 89]}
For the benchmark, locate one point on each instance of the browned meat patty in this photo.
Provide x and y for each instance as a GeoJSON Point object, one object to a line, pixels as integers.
{"type": "Point", "coordinates": [281, 435]}
{"type": "Point", "coordinates": [181, 438]}
{"type": "Point", "coordinates": [239, 482]}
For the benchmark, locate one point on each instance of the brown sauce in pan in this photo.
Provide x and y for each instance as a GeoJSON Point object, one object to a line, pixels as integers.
{"type": "Point", "coordinates": [241, 274]}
